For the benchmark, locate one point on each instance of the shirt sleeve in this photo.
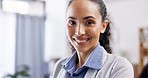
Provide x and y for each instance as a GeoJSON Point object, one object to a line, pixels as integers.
{"type": "Point", "coordinates": [122, 69]}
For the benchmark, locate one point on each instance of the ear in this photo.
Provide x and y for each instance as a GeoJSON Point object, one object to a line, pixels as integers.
{"type": "Point", "coordinates": [104, 25]}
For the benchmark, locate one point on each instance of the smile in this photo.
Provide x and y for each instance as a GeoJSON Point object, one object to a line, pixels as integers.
{"type": "Point", "coordinates": [81, 41]}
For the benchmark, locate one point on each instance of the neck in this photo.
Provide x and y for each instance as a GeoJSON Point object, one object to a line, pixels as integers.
{"type": "Point", "coordinates": [82, 57]}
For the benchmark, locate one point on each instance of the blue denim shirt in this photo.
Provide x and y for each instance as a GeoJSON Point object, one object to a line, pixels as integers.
{"type": "Point", "coordinates": [93, 61]}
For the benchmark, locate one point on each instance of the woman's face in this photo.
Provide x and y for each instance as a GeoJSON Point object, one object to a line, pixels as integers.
{"type": "Point", "coordinates": [84, 24]}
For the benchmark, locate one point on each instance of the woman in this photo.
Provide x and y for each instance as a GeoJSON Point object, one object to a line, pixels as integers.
{"type": "Point", "coordinates": [88, 31]}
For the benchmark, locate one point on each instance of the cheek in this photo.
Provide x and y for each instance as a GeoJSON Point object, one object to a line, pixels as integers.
{"type": "Point", "coordinates": [70, 31]}
{"type": "Point", "coordinates": [94, 32]}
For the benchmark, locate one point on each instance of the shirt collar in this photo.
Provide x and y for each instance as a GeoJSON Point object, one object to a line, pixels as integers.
{"type": "Point", "coordinates": [70, 62]}
{"type": "Point", "coordinates": [94, 60]}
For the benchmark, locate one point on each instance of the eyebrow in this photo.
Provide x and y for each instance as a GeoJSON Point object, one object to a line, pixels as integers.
{"type": "Point", "coordinates": [88, 17]}
{"type": "Point", "coordinates": [83, 18]}
{"type": "Point", "coordinates": [71, 17]}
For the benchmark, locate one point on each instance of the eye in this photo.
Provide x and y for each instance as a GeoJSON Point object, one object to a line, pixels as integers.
{"type": "Point", "coordinates": [72, 22]}
{"type": "Point", "coordinates": [89, 22]}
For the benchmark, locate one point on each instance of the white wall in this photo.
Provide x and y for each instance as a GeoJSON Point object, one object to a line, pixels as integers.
{"type": "Point", "coordinates": [55, 36]}
{"type": "Point", "coordinates": [7, 43]}
{"type": "Point", "coordinates": [128, 16]}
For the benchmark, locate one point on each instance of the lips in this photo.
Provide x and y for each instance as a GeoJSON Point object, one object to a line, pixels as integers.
{"type": "Point", "coordinates": [81, 41]}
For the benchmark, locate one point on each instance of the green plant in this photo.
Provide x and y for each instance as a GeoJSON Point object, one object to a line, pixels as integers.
{"type": "Point", "coordinates": [23, 72]}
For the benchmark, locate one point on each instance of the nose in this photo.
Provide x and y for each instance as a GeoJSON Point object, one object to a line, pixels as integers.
{"type": "Point", "coordinates": [80, 30]}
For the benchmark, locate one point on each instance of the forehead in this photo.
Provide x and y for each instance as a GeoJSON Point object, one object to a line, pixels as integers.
{"type": "Point", "coordinates": [83, 7]}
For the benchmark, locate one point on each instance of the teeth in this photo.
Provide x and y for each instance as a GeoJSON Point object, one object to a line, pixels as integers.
{"type": "Point", "coordinates": [81, 41]}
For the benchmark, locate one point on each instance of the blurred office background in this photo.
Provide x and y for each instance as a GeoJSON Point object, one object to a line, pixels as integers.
{"type": "Point", "coordinates": [32, 34]}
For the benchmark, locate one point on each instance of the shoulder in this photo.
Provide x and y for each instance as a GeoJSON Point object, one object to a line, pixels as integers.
{"type": "Point", "coordinates": [57, 67]}
{"type": "Point", "coordinates": [115, 61]}
{"type": "Point", "coordinates": [121, 61]}
{"type": "Point", "coordinates": [121, 67]}
{"type": "Point", "coordinates": [115, 67]}
{"type": "Point", "coordinates": [59, 63]}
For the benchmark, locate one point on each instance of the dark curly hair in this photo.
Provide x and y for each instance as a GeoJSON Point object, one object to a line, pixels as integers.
{"type": "Point", "coordinates": [104, 37]}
